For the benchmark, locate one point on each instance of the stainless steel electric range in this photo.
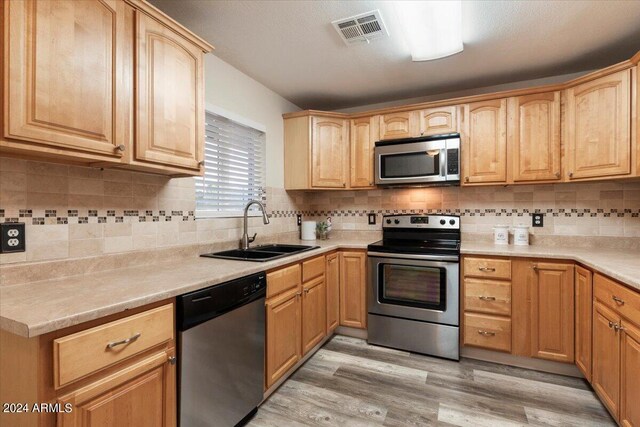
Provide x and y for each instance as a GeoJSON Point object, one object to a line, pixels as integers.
{"type": "Point", "coordinates": [414, 279]}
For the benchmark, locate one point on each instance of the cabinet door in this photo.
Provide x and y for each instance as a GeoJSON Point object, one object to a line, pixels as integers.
{"type": "Point", "coordinates": [598, 127]}
{"type": "Point", "coordinates": [332, 277]}
{"type": "Point", "coordinates": [169, 97]}
{"type": "Point", "coordinates": [363, 136]}
{"type": "Point", "coordinates": [283, 335]}
{"type": "Point", "coordinates": [484, 140]}
{"type": "Point", "coordinates": [552, 309]}
{"type": "Point", "coordinates": [605, 376]}
{"type": "Point", "coordinates": [584, 302]}
{"type": "Point", "coordinates": [404, 124]}
{"type": "Point", "coordinates": [330, 138]}
{"type": "Point", "coordinates": [629, 375]}
{"type": "Point", "coordinates": [437, 121]}
{"type": "Point", "coordinates": [314, 313]}
{"type": "Point", "coordinates": [353, 306]}
{"type": "Point", "coordinates": [64, 88]}
{"type": "Point", "coordinates": [143, 394]}
{"type": "Point", "coordinates": [534, 135]}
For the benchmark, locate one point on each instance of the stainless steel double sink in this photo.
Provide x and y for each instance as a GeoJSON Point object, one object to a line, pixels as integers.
{"type": "Point", "coordinates": [261, 253]}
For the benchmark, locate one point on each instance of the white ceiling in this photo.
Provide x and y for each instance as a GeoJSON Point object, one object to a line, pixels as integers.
{"type": "Point", "coordinates": [292, 48]}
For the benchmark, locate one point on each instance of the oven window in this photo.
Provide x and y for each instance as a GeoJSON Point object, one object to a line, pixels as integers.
{"type": "Point", "coordinates": [414, 286]}
{"type": "Point", "coordinates": [409, 165]}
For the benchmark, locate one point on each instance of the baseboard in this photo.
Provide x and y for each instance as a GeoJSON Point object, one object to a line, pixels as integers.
{"type": "Point", "coordinates": [552, 367]}
{"type": "Point", "coordinates": [351, 332]}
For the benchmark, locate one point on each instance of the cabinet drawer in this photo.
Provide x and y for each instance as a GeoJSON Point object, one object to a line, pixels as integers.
{"type": "Point", "coordinates": [312, 268]}
{"type": "Point", "coordinates": [487, 296]}
{"type": "Point", "coordinates": [618, 297]}
{"type": "Point", "coordinates": [283, 280]}
{"type": "Point", "coordinates": [487, 331]}
{"type": "Point", "coordinates": [83, 353]}
{"type": "Point", "coordinates": [487, 267]}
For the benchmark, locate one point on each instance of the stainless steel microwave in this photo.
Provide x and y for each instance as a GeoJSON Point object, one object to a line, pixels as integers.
{"type": "Point", "coordinates": [423, 161]}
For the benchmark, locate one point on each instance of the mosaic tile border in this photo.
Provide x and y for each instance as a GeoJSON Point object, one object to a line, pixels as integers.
{"type": "Point", "coordinates": [102, 216]}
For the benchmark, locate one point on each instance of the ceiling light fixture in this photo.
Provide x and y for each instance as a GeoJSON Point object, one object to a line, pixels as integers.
{"type": "Point", "coordinates": [433, 28]}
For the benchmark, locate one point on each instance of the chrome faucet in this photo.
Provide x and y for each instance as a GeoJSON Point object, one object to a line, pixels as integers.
{"type": "Point", "coordinates": [244, 242]}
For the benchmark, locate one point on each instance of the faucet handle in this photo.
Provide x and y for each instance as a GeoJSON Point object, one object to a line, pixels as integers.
{"type": "Point", "coordinates": [253, 238]}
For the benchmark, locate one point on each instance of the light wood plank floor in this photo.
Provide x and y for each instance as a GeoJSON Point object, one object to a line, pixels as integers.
{"type": "Point", "coordinates": [350, 383]}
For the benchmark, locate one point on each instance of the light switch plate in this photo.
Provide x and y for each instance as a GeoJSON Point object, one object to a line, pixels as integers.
{"type": "Point", "coordinates": [12, 237]}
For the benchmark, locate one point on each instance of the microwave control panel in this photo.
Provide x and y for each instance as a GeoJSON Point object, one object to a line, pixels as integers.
{"type": "Point", "coordinates": [453, 167]}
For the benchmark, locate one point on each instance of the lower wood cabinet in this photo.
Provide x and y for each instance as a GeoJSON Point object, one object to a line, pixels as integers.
{"type": "Point", "coordinates": [605, 377]}
{"type": "Point", "coordinates": [332, 281]}
{"type": "Point", "coordinates": [629, 375]}
{"type": "Point", "coordinates": [314, 313]}
{"type": "Point", "coordinates": [353, 300]}
{"type": "Point", "coordinates": [584, 302]}
{"type": "Point", "coordinates": [284, 334]}
{"type": "Point", "coordinates": [140, 395]}
{"type": "Point", "coordinates": [552, 311]}
{"type": "Point", "coordinates": [486, 331]}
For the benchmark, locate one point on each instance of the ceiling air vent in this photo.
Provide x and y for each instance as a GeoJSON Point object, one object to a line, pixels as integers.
{"type": "Point", "coordinates": [361, 28]}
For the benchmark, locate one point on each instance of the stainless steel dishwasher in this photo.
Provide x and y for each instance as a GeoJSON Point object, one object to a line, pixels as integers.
{"type": "Point", "coordinates": [221, 333]}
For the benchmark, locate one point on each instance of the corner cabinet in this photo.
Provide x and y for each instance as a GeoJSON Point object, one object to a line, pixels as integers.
{"type": "Point", "coordinates": [583, 318]}
{"type": "Point", "coordinates": [484, 142]}
{"type": "Point", "coordinates": [103, 83]}
{"type": "Point", "coordinates": [598, 128]}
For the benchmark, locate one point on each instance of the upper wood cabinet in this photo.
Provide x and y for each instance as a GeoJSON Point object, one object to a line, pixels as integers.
{"type": "Point", "coordinates": [353, 303]}
{"type": "Point", "coordinates": [598, 127]}
{"type": "Point", "coordinates": [329, 152]}
{"type": "Point", "coordinates": [534, 137]}
{"type": "Point", "coordinates": [363, 135]}
{"type": "Point", "coordinates": [484, 142]}
{"type": "Point", "coordinates": [437, 121]}
{"type": "Point", "coordinates": [169, 96]}
{"type": "Point", "coordinates": [65, 90]}
{"type": "Point", "coordinates": [404, 124]}
{"type": "Point", "coordinates": [583, 317]}
{"type": "Point", "coordinates": [102, 82]}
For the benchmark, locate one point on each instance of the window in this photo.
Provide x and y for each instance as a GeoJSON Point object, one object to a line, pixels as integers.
{"type": "Point", "coordinates": [234, 168]}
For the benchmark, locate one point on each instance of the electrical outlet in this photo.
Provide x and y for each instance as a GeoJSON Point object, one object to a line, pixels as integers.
{"type": "Point", "coordinates": [537, 220]}
{"type": "Point", "coordinates": [299, 219]}
{"type": "Point", "coordinates": [12, 237]}
{"type": "Point", "coordinates": [372, 218]}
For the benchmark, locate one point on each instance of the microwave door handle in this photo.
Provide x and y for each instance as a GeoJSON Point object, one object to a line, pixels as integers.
{"type": "Point", "coordinates": [443, 162]}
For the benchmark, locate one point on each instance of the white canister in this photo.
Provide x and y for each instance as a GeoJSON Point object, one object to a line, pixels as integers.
{"type": "Point", "coordinates": [521, 235]}
{"type": "Point", "coordinates": [501, 234]}
{"type": "Point", "coordinates": [308, 230]}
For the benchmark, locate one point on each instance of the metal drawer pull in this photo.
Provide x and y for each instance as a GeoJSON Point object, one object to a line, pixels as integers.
{"type": "Point", "coordinates": [172, 360]}
{"type": "Point", "coordinates": [489, 269]}
{"type": "Point", "coordinates": [618, 327]}
{"type": "Point", "coordinates": [483, 298]}
{"type": "Point", "coordinates": [132, 338]}
{"type": "Point", "coordinates": [618, 301]}
{"type": "Point", "coordinates": [611, 324]}
{"type": "Point", "coordinates": [487, 333]}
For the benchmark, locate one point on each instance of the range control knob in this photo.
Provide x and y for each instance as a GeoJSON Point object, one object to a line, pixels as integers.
{"type": "Point", "coordinates": [396, 221]}
{"type": "Point", "coordinates": [452, 221]}
{"type": "Point", "coordinates": [443, 222]}
{"type": "Point", "coordinates": [388, 221]}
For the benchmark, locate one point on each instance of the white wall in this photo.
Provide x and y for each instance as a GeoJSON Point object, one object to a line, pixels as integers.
{"type": "Point", "coordinates": [229, 89]}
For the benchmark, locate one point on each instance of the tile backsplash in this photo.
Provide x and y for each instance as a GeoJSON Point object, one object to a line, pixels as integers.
{"type": "Point", "coordinates": [74, 212]}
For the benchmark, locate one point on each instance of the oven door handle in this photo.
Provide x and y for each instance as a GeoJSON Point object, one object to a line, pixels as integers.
{"type": "Point", "coordinates": [449, 258]}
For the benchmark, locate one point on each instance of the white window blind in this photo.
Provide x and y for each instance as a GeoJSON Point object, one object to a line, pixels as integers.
{"type": "Point", "coordinates": [234, 167]}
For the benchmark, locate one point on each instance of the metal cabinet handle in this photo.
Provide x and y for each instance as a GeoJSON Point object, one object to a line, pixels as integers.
{"type": "Point", "coordinates": [201, 163]}
{"type": "Point", "coordinates": [466, 179]}
{"type": "Point", "coordinates": [172, 360]}
{"type": "Point", "coordinates": [298, 294]}
{"type": "Point", "coordinates": [121, 147]}
{"type": "Point", "coordinates": [344, 184]}
{"type": "Point", "coordinates": [611, 324]}
{"type": "Point", "coordinates": [132, 338]}
{"type": "Point", "coordinates": [535, 268]}
{"type": "Point", "coordinates": [483, 298]}
{"type": "Point", "coordinates": [306, 291]}
{"type": "Point", "coordinates": [570, 174]}
{"type": "Point", "coordinates": [487, 269]}
{"type": "Point", "coordinates": [557, 174]}
{"type": "Point", "coordinates": [618, 301]}
{"type": "Point", "coordinates": [617, 327]}
{"type": "Point", "coordinates": [486, 333]}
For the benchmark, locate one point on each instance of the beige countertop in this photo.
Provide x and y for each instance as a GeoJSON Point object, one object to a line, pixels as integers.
{"type": "Point", "coordinates": [40, 307]}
